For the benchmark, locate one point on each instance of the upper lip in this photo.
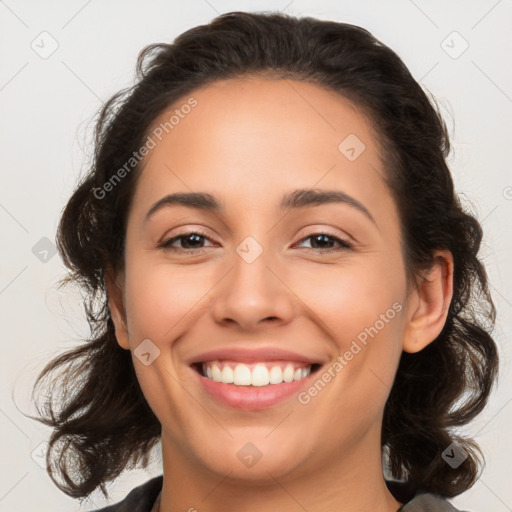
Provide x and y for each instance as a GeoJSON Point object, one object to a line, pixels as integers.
{"type": "Point", "coordinates": [252, 355]}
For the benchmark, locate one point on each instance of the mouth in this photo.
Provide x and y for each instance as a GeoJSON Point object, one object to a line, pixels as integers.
{"type": "Point", "coordinates": [257, 374]}
{"type": "Point", "coordinates": [253, 386]}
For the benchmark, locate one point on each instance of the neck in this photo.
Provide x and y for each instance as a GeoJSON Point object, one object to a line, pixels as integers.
{"type": "Point", "coordinates": [348, 483]}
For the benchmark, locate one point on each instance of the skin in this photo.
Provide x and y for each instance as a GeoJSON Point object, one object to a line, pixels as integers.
{"type": "Point", "coordinates": [249, 141]}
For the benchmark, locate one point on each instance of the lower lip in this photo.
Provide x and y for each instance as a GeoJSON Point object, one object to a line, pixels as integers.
{"type": "Point", "coordinates": [252, 398]}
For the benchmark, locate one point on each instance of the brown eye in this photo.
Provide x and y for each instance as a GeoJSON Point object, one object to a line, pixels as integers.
{"type": "Point", "coordinates": [189, 242]}
{"type": "Point", "coordinates": [323, 242]}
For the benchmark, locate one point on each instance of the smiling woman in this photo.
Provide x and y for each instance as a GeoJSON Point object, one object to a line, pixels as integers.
{"type": "Point", "coordinates": [284, 290]}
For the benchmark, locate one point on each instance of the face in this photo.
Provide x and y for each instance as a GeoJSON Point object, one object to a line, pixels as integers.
{"type": "Point", "coordinates": [303, 306]}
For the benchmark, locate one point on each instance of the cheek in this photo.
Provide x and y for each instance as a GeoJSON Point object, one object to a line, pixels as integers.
{"type": "Point", "coordinates": [361, 311]}
{"type": "Point", "coordinates": [352, 297]}
{"type": "Point", "coordinates": [158, 296]}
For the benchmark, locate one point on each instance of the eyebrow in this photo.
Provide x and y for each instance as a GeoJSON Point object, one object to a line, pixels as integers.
{"type": "Point", "coordinates": [300, 198]}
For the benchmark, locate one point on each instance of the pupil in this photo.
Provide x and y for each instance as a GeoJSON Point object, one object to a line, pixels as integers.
{"type": "Point", "coordinates": [317, 237]}
{"type": "Point", "coordinates": [189, 237]}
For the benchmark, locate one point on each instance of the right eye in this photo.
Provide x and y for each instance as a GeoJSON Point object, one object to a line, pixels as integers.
{"type": "Point", "coordinates": [188, 238]}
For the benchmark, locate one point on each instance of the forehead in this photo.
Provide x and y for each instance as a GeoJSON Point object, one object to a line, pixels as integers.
{"type": "Point", "coordinates": [257, 136]}
{"type": "Point", "coordinates": [240, 107]}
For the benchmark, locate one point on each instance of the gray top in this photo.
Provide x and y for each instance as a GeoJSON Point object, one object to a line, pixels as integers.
{"type": "Point", "coordinates": [143, 497]}
{"type": "Point", "coordinates": [428, 503]}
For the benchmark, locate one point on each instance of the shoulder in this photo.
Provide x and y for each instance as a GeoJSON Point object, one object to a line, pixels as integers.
{"type": "Point", "coordinates": [428, 503]}
{"type": "Point", "coordinates": [139, 499]}
{"type": "Point", "coordinates": [416, 500]}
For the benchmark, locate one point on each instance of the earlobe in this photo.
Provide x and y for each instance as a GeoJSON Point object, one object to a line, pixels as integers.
{"type": "Point", "coordinates": [117, 310]}
{"type": "Point", "coordinates": [429, 304]}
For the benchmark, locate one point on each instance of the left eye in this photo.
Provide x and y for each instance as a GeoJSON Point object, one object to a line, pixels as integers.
{"type": "Point", "coordinates": [321, 238]}
{"type": "Point", "coordinates": [192, 241]}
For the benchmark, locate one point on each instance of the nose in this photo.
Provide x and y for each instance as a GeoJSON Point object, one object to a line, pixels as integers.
{"type": "Point", "coordinates": [253, 295]}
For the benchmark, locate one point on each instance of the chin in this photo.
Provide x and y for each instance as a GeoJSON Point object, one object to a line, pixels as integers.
{"type": "Point", "coordinates": [256, 461]}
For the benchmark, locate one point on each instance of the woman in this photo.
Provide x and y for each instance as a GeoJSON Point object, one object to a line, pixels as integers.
{"type": "Point", "coordinates": [281, 282]}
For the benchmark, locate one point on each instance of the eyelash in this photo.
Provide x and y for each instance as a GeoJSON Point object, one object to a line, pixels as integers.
{"type": "Point", "coordinates": [166, 245]}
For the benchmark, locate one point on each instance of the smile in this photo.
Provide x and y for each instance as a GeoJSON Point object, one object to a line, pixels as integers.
{"type": "Point", "coordinates": [253, 386]}
{"type": "Point", "coordinates": [255, 374]}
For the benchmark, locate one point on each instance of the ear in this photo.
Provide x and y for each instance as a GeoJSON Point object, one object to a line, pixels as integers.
{"type": "Point", "coordinates": [116, 306]}
{"type": "Point", "coordinates": [428, 304]}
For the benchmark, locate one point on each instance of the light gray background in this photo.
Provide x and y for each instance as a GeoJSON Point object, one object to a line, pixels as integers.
{"type": "Point", "coordinates": [47, 107]}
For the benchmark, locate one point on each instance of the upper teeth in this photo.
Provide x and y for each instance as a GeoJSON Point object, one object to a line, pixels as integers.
{"type": "Point", "coordinates": [259, 374]}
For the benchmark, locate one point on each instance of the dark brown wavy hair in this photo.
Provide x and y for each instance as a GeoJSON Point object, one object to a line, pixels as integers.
{"type": "Point", "coordinates": [101, 421]}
